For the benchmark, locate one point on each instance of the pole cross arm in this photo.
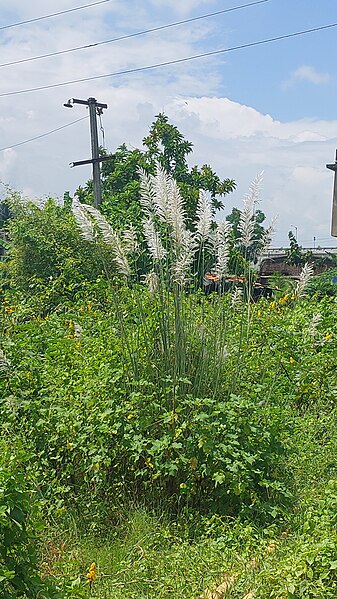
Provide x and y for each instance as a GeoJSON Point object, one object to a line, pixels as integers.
{"type": "Point", "coordinates": [72, 101]}
{"type": "Point", "coordinates": [90, 161]}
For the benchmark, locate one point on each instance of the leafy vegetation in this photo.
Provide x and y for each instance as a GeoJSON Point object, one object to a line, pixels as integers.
{"type": "Point", "coordinates": [166, 146]}
{"type": "Point", "coordinates": [175, 444]}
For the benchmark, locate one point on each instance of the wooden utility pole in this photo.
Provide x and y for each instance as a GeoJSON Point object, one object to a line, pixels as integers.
{"type": "Point", "coordinates": [333, 167]}
{"type": "Point", "coordinates": [95, 108]}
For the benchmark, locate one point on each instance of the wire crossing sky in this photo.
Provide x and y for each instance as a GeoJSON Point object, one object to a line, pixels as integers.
{"type": "Point", "coordinates": [136, 34]}
{"type": "Point", "coordinates": [26, 141]}
{"type": "Point", "coordinates": [54, 14]}
{"type": "Point", "coordinates": [172, 62]}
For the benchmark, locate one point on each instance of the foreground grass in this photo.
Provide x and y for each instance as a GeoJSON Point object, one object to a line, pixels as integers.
{"type": "Point", "coordinates": [90, 436]}
{"type": "Point", "coordinates": [147, 558]}
{"type": "Point", "coordinates": [144, 555]}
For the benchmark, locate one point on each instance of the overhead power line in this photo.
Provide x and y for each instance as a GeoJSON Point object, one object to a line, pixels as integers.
{"type": "Point", "coordinates": [54, 14]}
{"type": "Point", "coordinates": [135, 34]}
{"type": "Point", "coordinates": [26, 141]}
{"type": "Point", "coordinates": [171, 62]}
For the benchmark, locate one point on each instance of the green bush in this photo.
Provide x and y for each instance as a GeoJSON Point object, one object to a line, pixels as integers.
{"type": "Point", "coordinates": [48, 259]}
{"type": "Point", "coordinates": [104, 426]}
{"type": "Point", "coordinates": [19, 523]}
{"type": "Point", "coordinates": [324, 284]}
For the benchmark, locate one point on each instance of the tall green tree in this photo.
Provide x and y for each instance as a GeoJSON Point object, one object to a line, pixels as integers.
{"type": "Point", "coordinates": [295, 255]}
{"type": "Point", "coordinates": [165, 145]}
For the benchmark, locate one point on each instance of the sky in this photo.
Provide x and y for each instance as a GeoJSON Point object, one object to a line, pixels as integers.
{"type": "Point", "coordinates": [270, 107]}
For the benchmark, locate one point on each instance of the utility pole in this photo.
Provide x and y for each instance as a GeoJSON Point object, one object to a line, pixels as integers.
{"type": "Point", "coordinates": [95, 108]}
{"type": "Point", "coordinates": [333, 167]}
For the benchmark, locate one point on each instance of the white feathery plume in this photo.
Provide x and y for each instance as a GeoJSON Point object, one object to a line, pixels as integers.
{"type": "Point", "coordinates": [176, 213]}
{"type": "Point", "coordinates": [189, 242]}
{"type": "Point", "coordinates": [222, 249]}
{"type": "Point", "coordinates": [313, 325]}
{"type": "Point", "coordinates": [101, 223]}
{"type": "Point", "coordinates": [152, 239]}
{"type": "Point", "coordinates": [247, 219]}
{"type": "Point", "coordinates": [147, 193]}
{"type": "Point", "coordinates": [109, 236]}
{"type": "Point", "coordinates": [4, 362]}
{"type": "Point", "coordinates": [305, 276]}
{"type": "Point", "coordinates": [223, 354]}
{"type": "Point", "coordinates": [267, 237]}
{"type": "Point", "coordinates": [236, 299]}
{"type": "Point", "coordinates": [84, 223]}
{"type": "Point", "coordinates": [204, 215]}
{"type": "Point", "coordinates": [180, 270]}
{"type": "Point", "coordinates": [130, 242]}
{"type": "Point", "coordinates": [152, 281]}
{"type": "Point", "coordinates": [161, 188]}
{"type": "Point", "coordinates": [160, 196]}
{"type": "Point", "coordinates": [181, 267]}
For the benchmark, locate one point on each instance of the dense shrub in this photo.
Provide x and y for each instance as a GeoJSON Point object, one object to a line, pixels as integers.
{"type": "Point", "coordinates": [19, 525]}
{"type": "Point", "coordinates": [48, 258]}
{"type": "Point", "coordinates": [324, 284]}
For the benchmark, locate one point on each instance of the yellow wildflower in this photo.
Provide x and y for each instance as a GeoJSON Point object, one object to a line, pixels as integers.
{"type": "Point", "coordinates": [149, 463]}
{"type": "Point", "coordinates": [272, 305]}
{"type": "Point", "coordinates": [92, 573]}
{"type": "Point", "coordinates": [89, 306]}
{"type": "Point", "coordinates": [328, 337]}
{"type": "Point", "coordinates": [293, 297]}
{"type": "Point", "coordinates": [9, 309]}
{"type": "Point", "coordinates": [291, 360]}
{"type": "Point", "coordinates": [259, 313]}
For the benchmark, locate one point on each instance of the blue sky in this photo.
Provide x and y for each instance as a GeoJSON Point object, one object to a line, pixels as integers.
{"type": "Point", "coordinates": [269, 108]}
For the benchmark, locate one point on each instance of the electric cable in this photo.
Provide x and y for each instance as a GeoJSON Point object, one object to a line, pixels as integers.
{"type": "Point", "coordinates": [54, 14]}
{"type": "Point", "coordinates": [21, 143]}
{"type": "Point", "coordinates": [171, 62]}
{"type": "Point", "coordinates": [131, 35]}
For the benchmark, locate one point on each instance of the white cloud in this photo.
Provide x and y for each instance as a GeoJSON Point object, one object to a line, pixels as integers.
{"type": "Point", "coordinates": [182, 8]}
{"type": "Point", "coordinates": [309, 74]}
{"type": "Point", "coordinates": [239, 142]}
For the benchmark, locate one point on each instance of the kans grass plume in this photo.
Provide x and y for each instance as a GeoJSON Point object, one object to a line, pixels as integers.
{"type": "Point", "coordinates": [204, 217]}
{"type": "Point", "coordinates": [152, 239]}
{"type": "Point", "coordinates": [305, 276]}
{"type": "Point", "coordinates": [84, 222]}
{"type": "Point", "coordinates": [4, 362]}
{"type": "Point", "coordinates": [222, 249]}
{"type": "Point", "coordinates": [164, 206]}
{"type": "Point", "coordinates": [248, 216]}
{"type": "Point", "coordinates": [151, 280]}
{"type": "Point", "coordinates": [314, 324]}
{"type": "Point", "coordinates": [93, 225]}
{"type": "Point", "coordinates": [130, 242]}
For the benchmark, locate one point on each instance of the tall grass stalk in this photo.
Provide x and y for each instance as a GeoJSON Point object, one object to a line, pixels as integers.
{"type": "Point", "coordinates": [177, 344]}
